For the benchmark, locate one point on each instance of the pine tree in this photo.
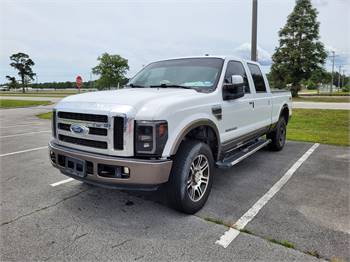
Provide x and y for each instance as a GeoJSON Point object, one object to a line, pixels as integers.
{"type": "Point", "coordinates": [300, 51]}
{"type": "Point", "coordinates": [23, 64]}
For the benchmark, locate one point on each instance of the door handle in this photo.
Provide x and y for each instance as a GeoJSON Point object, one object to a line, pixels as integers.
{"type": "Point", "coordinates": [252, 103]}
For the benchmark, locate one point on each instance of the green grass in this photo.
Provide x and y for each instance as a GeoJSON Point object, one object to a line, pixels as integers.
{"type": "Point", "coordinates": [35, 95]}
{"type": "Point", "coordinates": [329, 99]}
{"type": "Point", "coordinates": [47, 115]}
{"type": "Point", "coordinates": [320, 125]}
{"type": "Point", "coordinates": [53, 93]}
{"type": "Point", "coordinates": [313, 253]}
{"type": "Point", "coordinates": [243, 230]}
{"type": "Point", "coordinates": [9, 103]}
{"type": "Point", "coordinates": [284, 243]}
{"type": "Point", "coordinates": [216, 221]}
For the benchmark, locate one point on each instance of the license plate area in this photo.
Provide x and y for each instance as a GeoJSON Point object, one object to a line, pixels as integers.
{"type": "Point", "coordinates": [75, 166]}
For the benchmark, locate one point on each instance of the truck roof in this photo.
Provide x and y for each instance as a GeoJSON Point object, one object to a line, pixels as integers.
{"type": "Point", "coordinates": [225, 57]}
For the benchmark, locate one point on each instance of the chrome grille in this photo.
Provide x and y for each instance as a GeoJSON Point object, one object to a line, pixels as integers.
{"type": "Point", "coordinates": [84, 117]}
{"type": "Point", "coordinates": [97, 126]}
{"type": "Point", "coordinates": [102, 133]}
{"type": "Point", "coordinates": [92, 130]}
{"type": "Point", "coordinates": [83, 142]}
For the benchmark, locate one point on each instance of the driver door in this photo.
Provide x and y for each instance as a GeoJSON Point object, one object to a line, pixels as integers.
{"type": "Point", "coordinates": [237, 114]}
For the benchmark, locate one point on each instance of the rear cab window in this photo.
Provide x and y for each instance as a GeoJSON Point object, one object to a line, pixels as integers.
{"type": "Point", "coordinates": [258, 78]}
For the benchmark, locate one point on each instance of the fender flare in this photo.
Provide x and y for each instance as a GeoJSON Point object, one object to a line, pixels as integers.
{"type": "Point", "coordinates": [192, 125]}
{"type": "Point", "coordinates": [285, 106]}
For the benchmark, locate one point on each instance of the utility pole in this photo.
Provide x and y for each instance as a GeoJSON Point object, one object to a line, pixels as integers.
{"type": "Point", "coordinates": [333, 56]}
{"type": "Point", "coordinates": [90, 84]}
{"type": "Point", "coordinates": [339, 84]}
{"type": "Point", "coordinates": [254, 56]}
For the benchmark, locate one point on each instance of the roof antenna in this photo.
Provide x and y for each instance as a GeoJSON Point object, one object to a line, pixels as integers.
{"type": "Point", "coordinates": [206, 55]}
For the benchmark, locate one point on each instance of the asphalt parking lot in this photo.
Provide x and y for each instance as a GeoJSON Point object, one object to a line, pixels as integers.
{"type": "Point", "coordinates": [73, 221]}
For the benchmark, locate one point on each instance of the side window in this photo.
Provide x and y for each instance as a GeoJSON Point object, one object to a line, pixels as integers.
{"type": "Point", "coordinates": [257, 78]}
{"type": "Point", "coordinates": [236, 68]}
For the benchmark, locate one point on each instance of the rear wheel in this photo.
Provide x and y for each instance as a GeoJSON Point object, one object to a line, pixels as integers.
{"type": "Point", "coordinates": [191, 177]}
{"type": "Point", "coordinates": [278, 135]}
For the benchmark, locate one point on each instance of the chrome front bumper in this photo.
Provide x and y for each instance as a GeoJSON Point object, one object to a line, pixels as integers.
{"type": "Point", "coordinates": [143, 174]}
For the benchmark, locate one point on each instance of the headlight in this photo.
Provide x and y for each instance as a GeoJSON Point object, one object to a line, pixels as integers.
{"type": "Point", "coordinates": [150, 137]}
{"type": "Point", "coordinates": [53, 123]}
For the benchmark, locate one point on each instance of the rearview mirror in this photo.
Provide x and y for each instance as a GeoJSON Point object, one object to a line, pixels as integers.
{"type": "Point", "coordinates": [235, 89]}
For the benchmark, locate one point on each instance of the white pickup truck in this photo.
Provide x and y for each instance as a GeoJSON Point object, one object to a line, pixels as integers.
{"type": "Point", "coordinates": [172, 124]}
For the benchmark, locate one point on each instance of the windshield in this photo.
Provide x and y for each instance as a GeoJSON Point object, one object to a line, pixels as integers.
{"type": "Point", "coordinates": [196, 73]}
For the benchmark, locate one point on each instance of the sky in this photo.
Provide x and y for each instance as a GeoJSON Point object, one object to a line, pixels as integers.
{"type": "Point", "coordinates": [65, 37]}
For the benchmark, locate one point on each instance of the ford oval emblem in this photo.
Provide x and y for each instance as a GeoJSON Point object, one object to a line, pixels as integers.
{"type": "Point", "coordinates": [79, 129]}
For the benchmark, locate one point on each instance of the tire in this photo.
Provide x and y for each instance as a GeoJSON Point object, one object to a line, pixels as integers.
{"type": "Point", "coordinates": [278, 136]}
{"type": "Point", "coordinates": [191, 177]}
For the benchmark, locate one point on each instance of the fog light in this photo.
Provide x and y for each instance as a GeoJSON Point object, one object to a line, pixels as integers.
{"type": "Point", "coordinates": [126, 170]}
{"type": "Point", "coordinates": [53, 157]}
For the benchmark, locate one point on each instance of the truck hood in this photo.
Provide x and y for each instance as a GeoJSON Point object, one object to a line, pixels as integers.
{"type": "Point", "coordinates": [130, 101]}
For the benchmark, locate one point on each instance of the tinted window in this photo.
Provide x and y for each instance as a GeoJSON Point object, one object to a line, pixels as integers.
{"type": "Point", "coordinates": [236, 68]}
{"type": "Point", "coordinates": [257, 78]}
{"type": "Point", "coordinates": [197, 73]}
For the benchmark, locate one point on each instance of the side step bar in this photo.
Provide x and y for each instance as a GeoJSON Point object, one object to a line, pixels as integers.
{"type": "Point", "coordinates": [242, 154]}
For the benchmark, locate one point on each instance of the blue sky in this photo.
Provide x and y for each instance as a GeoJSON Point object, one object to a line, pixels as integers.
{"type": "Point", "coordinates": [64, 38]}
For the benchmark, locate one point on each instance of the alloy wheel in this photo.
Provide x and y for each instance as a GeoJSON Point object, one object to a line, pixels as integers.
{"type": "Point", "coordinates": [198, 178]}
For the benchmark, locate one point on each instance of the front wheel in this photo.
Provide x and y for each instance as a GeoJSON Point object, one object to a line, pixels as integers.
{"type": "Point", "coordinates": [191, 177]}
{"type": "Point", "coordinates": [278, 135]}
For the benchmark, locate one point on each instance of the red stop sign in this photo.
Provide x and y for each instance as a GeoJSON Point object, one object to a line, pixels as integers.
{"type": "Point", "coordinates": [79, 81]}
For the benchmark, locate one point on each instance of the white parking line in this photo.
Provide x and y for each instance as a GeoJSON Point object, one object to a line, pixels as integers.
{"type": "Point", "coordinates": [62, 182]}
{"type": "Point", "coordinates": [30, 124]}
{"type": "Point", "coordinates": [232, 233]}
{"type": "Point", "coordinates": [23, 151]}
{"type": "Point", "coordinates": [24, 134]}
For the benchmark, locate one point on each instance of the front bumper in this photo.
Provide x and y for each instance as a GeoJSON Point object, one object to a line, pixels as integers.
{"type": "Point", "coordinates": [143, 174]}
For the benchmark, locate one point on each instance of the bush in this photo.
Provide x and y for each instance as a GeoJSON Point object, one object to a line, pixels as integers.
{"type": "Point", "coordinates": [345, 89]}
{"type": "Point", "coordinates": [311, 85]}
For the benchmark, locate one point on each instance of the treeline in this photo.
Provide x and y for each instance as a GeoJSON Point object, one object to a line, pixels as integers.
{"type": "Point", "coordinates": [62, 85]}
{"type": "Point", "coordinates": [317, 78]}
{"type": "Point", "coordinates": [86, 85]}
{"type": "Point", "coordinates": [111, 70]}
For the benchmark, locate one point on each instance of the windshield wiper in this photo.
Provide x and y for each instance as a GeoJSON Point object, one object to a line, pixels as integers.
{"type": "Point", "coordinates": [171, 85]}
{"type": "Point", "coordinates": [132, 85]}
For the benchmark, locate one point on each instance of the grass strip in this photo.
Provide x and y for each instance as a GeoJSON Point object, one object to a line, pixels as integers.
{"type": "Point", "coordinates": [47, 115]}
{"type": "Point", "coordinates": [320, 126]}
{"type": "Point", "coordinates": [10, 103]}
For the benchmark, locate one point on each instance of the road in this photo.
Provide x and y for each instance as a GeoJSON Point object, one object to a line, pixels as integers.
{"type": "Point", "coordinates": [308, 105]}
{"type": "Point", "coordinates": [321, 105]}
{"type": "Point", "coordinates": [74, 221]}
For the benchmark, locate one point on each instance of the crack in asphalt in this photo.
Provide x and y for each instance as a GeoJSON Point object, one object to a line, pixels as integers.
{"type": "Point", "coordinates": [122, 243]}
{"type": "Point", "coordinates": [137, 258]}
{"type": "Point", "coordinates": [43, 208]}
{"type": "Point", "coordinates": [262, 237]}
{"type": "Point", "coordinates": [68, 246]}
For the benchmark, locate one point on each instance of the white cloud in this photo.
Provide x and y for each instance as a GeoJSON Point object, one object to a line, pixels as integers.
{"type": "Point", "coordinates": [65, 37]}
{"type": "Point", "coordinates": [243, 51]}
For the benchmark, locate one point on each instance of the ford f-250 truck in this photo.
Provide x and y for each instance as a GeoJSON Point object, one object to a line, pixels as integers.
{"type": "Point", "coordinates": [172, 124]}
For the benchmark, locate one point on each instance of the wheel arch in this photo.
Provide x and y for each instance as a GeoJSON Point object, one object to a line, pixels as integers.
{"type": "Point", "coordinates": [202, 129]}
{"type": "Point", "coordinates": [284, 112]}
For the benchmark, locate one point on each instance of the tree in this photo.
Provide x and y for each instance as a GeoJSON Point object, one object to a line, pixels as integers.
{"type": "Point", "coordinates": [23, 64]}
{"type": "Point", "coordinates": [300, 52]}
{"type": "Point", "coordinates": [12, 82]}
{"type": "Point", "coordinates": [112, 70]}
